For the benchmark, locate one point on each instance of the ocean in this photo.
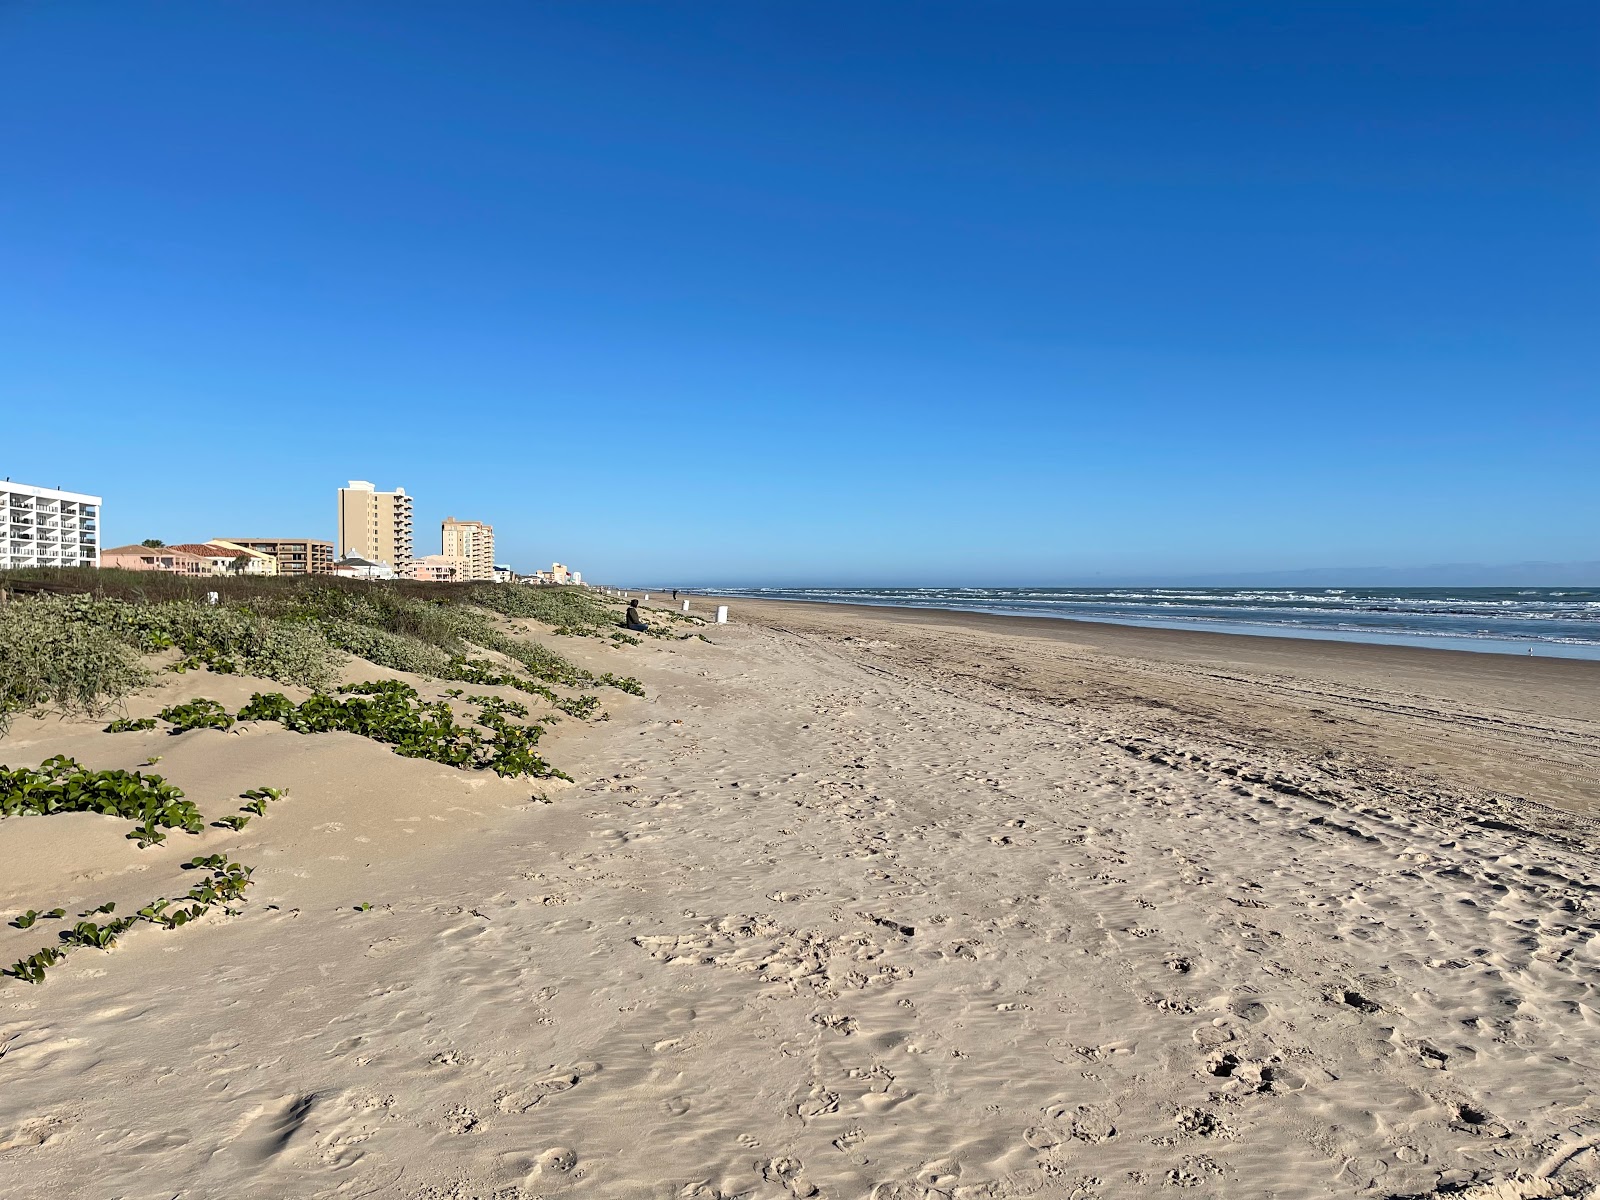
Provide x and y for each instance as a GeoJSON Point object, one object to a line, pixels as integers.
{"type": "Point", "coordinates": [1553, 622]}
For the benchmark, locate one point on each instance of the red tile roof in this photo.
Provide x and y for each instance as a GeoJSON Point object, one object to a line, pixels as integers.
{"type": "Point", "coordinates": [175, 552]}
{"type": "Point", "coordinates": [206, 550]}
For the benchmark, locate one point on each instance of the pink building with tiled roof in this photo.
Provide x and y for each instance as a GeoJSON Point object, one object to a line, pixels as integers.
{"type": "Point", "coordinates": [154, 558]}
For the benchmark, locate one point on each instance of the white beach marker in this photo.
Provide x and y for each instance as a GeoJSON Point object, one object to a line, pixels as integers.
{"type": "Point", "coordinates": [722, 614]}
{"type": "Point", "coordinates": [685, 606]}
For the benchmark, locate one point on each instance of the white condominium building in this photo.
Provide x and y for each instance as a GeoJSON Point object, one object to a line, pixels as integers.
{"type": "Point", "coordinates": [46, 527]}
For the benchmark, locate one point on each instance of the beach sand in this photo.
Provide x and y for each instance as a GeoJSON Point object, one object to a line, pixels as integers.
{"type": "Point", "coordinates": [855, 903]}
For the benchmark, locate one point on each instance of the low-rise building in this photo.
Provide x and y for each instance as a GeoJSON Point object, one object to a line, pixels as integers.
{"type": "Point", "coordinates": [295, 556]}
{"type": "Point", "coordinates": [155, 558]}
{"type": "Point", "coordinates": [353, 566]}
{"type": "Point", "coordinates": [230, 560]}
{"type": "Point", "coordinates": [47, 527]}
{"type": "Point", "coordinates": [438, 568]}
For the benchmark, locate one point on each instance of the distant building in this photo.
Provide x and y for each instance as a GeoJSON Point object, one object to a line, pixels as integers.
{"type": "Point", "coordinates": [437, 568]}
{"type": "Point", "coordinates": [155, 558]}
{"type": "Point", "coordinates": [46, 527]}
{"type": "Point", "coordinates": [557, 574]}
{"type": "Point", "coordinates": [472, 542]}
{"type": "Point", "coordinates": [230, 560]}
{"type": "Point", "coordinates": [504, 574]}
{"type": "Point", "coordinates": [295, 556]}
{"type": "Point", "coordinates": [375, 525]}
{"type": "Point", "coordinates": [353, 566]}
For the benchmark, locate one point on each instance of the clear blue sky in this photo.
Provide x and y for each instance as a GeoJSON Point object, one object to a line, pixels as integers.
{"type": "Point", "coordinates": [810, 292]}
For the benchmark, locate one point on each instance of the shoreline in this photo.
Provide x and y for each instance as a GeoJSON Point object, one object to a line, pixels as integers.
{"type": "Point", "coordinates": [1206, 644]}
{"type": "Point", "coordinates": [1505, 647]}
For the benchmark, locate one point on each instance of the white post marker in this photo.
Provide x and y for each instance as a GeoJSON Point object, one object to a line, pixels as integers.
{"type": "Point", "coordinates": [211, 597]}
{"type": "Point", "coordinates": [685, 606]}
{"type": "Point", "coordinates": [722, 614]}
{"type": "Point", "coordinates": [647, 597]}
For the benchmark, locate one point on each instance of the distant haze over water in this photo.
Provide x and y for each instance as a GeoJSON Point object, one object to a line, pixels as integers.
{"type": "Point", "coordinates": [1550, 621]}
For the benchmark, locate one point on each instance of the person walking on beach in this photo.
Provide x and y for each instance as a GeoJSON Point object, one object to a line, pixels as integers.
{"type": "Point", "coordinates": [633, 620]}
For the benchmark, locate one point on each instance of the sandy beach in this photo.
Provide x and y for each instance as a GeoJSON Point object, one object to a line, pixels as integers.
{"type": "Point", "coordinates": [853, 903]}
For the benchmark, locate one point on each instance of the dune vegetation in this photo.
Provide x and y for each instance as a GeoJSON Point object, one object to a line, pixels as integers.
{"type": "Point", "coordinates": [85, 642]}
{"type": "Point", "coordinates": [80, 641]}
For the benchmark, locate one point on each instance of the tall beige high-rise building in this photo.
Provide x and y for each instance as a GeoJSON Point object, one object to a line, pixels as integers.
{"type": "Point", "coordinates": [376, 525]}
{"type": "Point", "coordinates": [472, 542]}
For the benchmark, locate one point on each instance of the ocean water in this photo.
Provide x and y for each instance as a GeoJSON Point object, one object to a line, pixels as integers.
{"type": "Point", "coordinates": [1553, 622]}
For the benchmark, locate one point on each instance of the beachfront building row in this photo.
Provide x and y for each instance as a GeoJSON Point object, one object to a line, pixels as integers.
{"type": "Point", "coordinates": [375, 525]}
{"type": "Point", "coordinates": [48, 527]}
{"type": "Point", "coordinates": [191, 558]}
{"type": "Point", "coordinates": [471, 543]}
{"type": "Point", "coordinates": [219, 556]}
{"type": "Point", "coordinates": [558, 573]}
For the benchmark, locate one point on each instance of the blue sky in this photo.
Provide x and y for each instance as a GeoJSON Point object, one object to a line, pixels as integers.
{"type": "Point", "coordinates": [815, 293]}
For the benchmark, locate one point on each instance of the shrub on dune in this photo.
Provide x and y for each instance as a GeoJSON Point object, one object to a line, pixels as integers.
{"type": "Point", "coordinates": [68, 665]}
{"type": "Point", "coordinates": [81, 652]}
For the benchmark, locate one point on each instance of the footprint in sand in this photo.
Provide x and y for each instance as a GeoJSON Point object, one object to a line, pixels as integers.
{"type": "Point", "coordinates": [837, 1022]}
{"type": "Point", "coordinates": [1084, 1122]}
{"type": "Point", "coordinates": [821, 1102]}
{"type": "Point", "coordinates": [1199, 1122]}
{"type": "Point", "coordinates": [459, 1119]}
{"type": "Point", "coordinates": [899, 1191]}
{"type": "Point", "coordinates": [562, 1079]}
{"type": "Point", "coordinates": [789, 1172]}
{"type": "Point", "coordinates": [850, 1139]}
{"type": "Point", "coordinates": [33, 1131]}
{"type": "Point", "coordinates": [702, 1189]}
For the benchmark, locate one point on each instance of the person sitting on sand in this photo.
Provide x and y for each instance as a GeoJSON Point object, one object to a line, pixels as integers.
{"type": "Point", "coordinates": [633, 620]}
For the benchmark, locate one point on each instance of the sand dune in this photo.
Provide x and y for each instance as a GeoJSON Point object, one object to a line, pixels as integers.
{"type": "Point", "coordinates": [844, 909]}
